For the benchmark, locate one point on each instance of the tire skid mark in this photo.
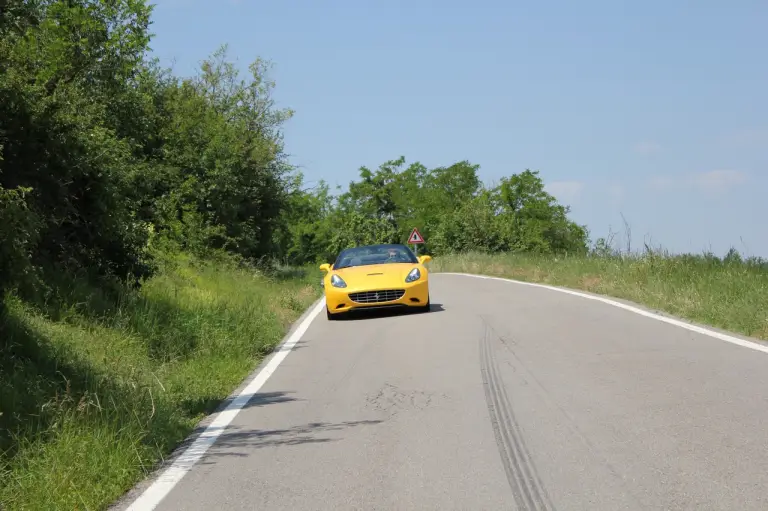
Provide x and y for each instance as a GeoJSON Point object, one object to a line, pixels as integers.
{"type": "Point", "coordinates": [528, 465]}
{"type": "Point", "coordinates": [506, 344]}
{"type": "Point", "coordinates": [569, 422]}
{"type": "Point", "coordinates": [499, 432]}
{"type": "Point", "coordinates": [526, 486]}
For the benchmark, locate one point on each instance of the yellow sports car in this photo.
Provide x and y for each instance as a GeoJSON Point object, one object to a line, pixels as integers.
{"type": "Point", "coordinates": [376, 276]}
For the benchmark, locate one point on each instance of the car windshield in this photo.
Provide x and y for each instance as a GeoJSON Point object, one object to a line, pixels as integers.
{"type": "Point", "coordinates": [374, 254]}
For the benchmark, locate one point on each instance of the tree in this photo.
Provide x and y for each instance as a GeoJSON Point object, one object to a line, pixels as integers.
{"type": "Point", "coordinates": [449, 205]}
{"type": "Point", "coordinates": [67, 74]}
{"type": "Point", "coordinates": [223, 178]}
{"type": "Point", "coordinates": [101, 147]}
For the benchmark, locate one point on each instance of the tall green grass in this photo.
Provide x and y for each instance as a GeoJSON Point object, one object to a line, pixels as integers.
{"type": "Point", "coordinates": [94, 393]}
{"type": "Point", "coordinates": [728, 293]}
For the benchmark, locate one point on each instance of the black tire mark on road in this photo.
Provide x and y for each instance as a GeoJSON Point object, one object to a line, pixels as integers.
{"type": "Point", "coordinates": [506, 343]}
{"type": "Point", "coordinates": [568, 420]}
{"type": "Point", "coordinates": [526, 486]}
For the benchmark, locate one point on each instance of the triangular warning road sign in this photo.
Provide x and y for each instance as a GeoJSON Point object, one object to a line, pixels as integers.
{"type": "Point", "coordinates": [415, 237]}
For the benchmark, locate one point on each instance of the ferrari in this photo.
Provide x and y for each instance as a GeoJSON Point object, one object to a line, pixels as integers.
{"type": "Point", "coordinates": [376, 276]}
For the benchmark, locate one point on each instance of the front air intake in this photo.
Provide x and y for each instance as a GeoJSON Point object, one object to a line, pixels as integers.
{"type": "Point", "coordinates": [385, 295]}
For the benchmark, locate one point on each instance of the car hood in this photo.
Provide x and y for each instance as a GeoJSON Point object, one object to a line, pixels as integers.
{"type": "Point", "coordinates": [379, 276]}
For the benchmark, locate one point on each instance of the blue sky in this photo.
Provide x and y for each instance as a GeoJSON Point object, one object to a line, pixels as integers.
{"type": "Point", "coordinates": [657, 110]}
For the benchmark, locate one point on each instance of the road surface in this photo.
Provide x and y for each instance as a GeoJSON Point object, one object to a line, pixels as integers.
{"type": "Point", "coordinates": [503, 397]}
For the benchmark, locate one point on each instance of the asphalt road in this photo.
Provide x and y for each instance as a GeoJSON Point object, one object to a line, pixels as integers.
{"type": "Point", "coordinates": [502, 397]}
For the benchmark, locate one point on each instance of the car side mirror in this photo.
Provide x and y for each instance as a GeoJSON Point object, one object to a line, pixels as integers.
{"type": "Point", "coordinates": [325, 267]}
{"type": "Point", "coordinates": [424, 259]}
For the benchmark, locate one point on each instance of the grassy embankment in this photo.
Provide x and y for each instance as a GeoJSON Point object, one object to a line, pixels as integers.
{"type": "Point", "coordinates": [732, 295]}
{"type": "Point", "coordinates": [92, 395]}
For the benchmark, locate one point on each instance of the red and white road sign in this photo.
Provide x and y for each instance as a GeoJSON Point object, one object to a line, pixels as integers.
{"type": "Point", "coordinates": [415, 237]}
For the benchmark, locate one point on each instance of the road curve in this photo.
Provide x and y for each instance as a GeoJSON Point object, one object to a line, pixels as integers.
{"type": "Point", "coordinates": [502, 397]}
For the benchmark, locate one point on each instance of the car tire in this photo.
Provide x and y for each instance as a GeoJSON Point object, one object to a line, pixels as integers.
{"type": "Point", "coordinates": [427, 307]}
{"type": "Point", "coordinates": [331, 317]}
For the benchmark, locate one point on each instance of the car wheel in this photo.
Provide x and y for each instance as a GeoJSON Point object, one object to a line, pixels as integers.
{"type": "Point", "coordinates": [427, 307]}
{"type": "Point", "coordinates": [331, 317]}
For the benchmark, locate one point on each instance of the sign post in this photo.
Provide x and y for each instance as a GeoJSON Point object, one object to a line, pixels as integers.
{"type": "Point", "coordinates": [415, 239]}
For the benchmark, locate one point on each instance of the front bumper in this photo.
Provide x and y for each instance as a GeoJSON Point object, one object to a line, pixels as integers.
{"type": "Point", "coordinates": [338, 300]}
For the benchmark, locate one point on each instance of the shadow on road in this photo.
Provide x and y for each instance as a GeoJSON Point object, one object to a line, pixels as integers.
{"type": "Point", "coordinates": [269, 398]}
{"type": "Point", "coordinates": [208, 406]}
{"type": "Point", "coordinates": [237, 441]}
{"type": "Point", "coordinates": [362, 314]}
{"type": "Point", "coordinates": [297, 346]}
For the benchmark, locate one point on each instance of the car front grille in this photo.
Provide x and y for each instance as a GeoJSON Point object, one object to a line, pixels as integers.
{"type": "Point", "coordinates": [384, 295]}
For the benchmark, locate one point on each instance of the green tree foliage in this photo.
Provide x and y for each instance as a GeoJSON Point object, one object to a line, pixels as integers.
{"type": "Point", "coordinates": [65, 69]}
{"type": "Point", "coordinates": [226, 178]}
{"type": "Point", "coordinates": [104, 155]}
{"type": "Point", "coordinates": [100, 148]}
{"type": "Point", "coordinates": [450, 206]}
{"type": "Point", "coordinates": [18, 230]}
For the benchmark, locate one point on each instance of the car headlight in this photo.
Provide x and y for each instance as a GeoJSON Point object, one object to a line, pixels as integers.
{"type": "Point", "coordinates": [413, 276]}
{"type": "Point", "coordinates": [337, 281]}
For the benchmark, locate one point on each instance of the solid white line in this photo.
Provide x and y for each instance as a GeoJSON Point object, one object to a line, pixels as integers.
{"type": "Point", "coordinates": [168, 479]}
{"type": "Point", "coordinates": [693, 328]}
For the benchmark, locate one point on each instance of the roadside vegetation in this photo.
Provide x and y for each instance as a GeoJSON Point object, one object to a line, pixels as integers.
{"type": "Point", "coordinates": [154, 240]}
{"type": "Point", "coordinates": [139, 222]}
{"type": "Point", "coordinates": [95, 396]}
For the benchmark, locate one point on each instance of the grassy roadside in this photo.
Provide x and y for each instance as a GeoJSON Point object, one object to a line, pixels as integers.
{"type": "Point", "coordinates": [728, 294]}
{"type": "Point", "coordinates": [91, 400]}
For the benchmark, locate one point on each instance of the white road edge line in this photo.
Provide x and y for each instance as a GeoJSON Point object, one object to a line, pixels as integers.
{"type": "Point", "coordinates": [693, 328]}
{"type": "Point", "coordinates": [173, 474]}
